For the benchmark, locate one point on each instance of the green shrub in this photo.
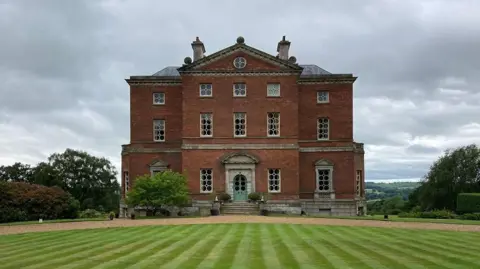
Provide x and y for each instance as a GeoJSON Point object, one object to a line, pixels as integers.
{"type": "Point", "coordinates": [224, 197]}
{"type": "Point", "coordinates": [409, 215]}
{"type": "Point", "coordinates": [468, 203]}
{"type": "Point", "coordinates": [9, 214]}
{"type": "Point", "coordinates": [254, 196]}
{"type": "Point", "coordinates": [436, 214]}
{"type": "Point", "coordinates": [21, 201]}
{"type": "Point", "coordinates": [394, 211]}
{"type": "Point", "coordinates": [470, 216]}
{"type": "Point", "coordinates": [90, 213]}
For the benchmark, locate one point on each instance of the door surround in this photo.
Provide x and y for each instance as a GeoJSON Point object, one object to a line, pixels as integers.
{"type": "Point", "coordinates": [239, 162]}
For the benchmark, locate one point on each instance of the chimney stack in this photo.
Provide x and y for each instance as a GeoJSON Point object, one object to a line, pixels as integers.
{"type": "Point", "coordinates": [198, 49]}
{"type": "Point", "coordinates": [282, 49]}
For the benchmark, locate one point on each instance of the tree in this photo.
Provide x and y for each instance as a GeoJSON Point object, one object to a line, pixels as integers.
{"type": "Point", "coordinates": [163, 189]}
{"type": "Point", "coordinates": [18, 172]}
{"type": "Point", "coordinates": [90, 180]}
{"type": "Point", "coordinates": [44, 174]}
{"type": "Point", "coordinates": [457, 171]}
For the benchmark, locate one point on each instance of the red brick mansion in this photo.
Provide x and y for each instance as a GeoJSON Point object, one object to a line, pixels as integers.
{"type": "Point", "coordinates": [241, 120]}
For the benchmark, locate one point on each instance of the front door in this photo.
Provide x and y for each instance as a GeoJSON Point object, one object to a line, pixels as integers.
{"type": "Point", "coordinates": [240, 188]}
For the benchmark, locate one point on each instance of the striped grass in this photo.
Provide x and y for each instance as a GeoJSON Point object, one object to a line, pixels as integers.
{"type": "Point", "coordinates": [241, 246]}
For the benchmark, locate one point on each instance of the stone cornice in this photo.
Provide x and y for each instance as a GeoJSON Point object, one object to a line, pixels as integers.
{"type": "Point", "coordinates": [149, 80]}
{"type": "Point", "coordinates": [356, 147]}
{"type": "Point", "coordinates": [326, 149]}
{"type": "Point", "coordinates": [239, 146]}
{"type": "Point", "coordinates": [126, 149]}
{"type": "Point", "coordinates": [327, 79]}
{"type": "Point", "coordinates": [229, 73]}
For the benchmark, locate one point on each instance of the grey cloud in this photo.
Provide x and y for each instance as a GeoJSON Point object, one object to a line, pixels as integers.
{"type": "Point", "coordinates": [414, 149]}
{"type": "Point", "coordinates": [53, 39]}
{"type": "Point", "coordinates": [63, 64]}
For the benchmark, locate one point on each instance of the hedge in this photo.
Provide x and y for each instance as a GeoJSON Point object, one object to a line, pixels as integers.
{"type": "Point", "coordinates": [468, 203]}
{"type": "Point", "coordinates": [21, 201]}
{"type": "Point", "coordinates": [435, 214]}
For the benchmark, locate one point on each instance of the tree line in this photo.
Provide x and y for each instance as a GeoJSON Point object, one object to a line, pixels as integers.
{"type": "Point", "coordinates": [455, 173]}
{"type": "Point", "coordinates": [89, 180]}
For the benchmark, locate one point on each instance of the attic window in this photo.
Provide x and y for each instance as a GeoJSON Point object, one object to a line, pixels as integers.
{"type": "Point", "coordinates": [239, 62]}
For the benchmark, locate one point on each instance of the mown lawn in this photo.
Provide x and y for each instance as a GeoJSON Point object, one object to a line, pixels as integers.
{"type": "Point", "coordinates": [241, 246]}
{"type": "Point", "coordinates": [398, 219]}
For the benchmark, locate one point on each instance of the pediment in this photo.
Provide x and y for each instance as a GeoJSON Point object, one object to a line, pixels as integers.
{"type": "Point", "coordinates": [256, 61]}
{"type": "Point", "coordinates": [158, 163]}
{"type": "Point", "coordinates": [323, 162]}
{"type": "Point", "coordinates": [239, 158]}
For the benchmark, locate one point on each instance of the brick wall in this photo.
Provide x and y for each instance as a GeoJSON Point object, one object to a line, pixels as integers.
{"type": "Point", "coordinates": [286, 160]}
{"type": "Point", "coordinates": [298, 113]}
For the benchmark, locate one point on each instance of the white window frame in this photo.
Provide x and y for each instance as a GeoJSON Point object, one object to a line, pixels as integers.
{"type": "Point", "coordinates": [279, 180]}
{"type": "Point", "coordinates": [239, 60]}
{"type": "Point", "coordinates": [211, 123]}
{"type": "Point", "coordinates": [155, 170]}
{"type": "Point", "coordinates": [206, 85]}
{"type": "Point", "coordinates": [211, 179]}
{"type": "Point", "coordinates": [239, 95]}
{"type": "Point", "coordinates": [272, 85]}
{"type": "Point", "coordinates": [358, 186]}
{"type": "Point", "coordinates": [234, 123]}
{"type": "Point", "coordinates": [318, 129]}
{"type": "Point", "coordinates": [324, 165]}
{"type": "Point", "coordinates": [126, 180]}
{"type": "Point", "coordinates": [323, 101]}
{"type": "Point", "coordinates": [269, 135]}
{"type": "Point", "coordinates": [162, 94]}
{"type": "Point", "coordinates": [154, 130]}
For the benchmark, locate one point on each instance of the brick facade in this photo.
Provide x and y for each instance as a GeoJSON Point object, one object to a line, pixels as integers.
{"type": "Point", "coordinates": [294, 152]}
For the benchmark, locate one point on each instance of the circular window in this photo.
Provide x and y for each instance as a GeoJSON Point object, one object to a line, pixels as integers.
{"type": "Point", "coordinates": [239, 62]}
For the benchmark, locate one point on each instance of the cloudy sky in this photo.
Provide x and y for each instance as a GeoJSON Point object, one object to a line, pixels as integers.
{"type": "Point", "coordinates": [63, 65]}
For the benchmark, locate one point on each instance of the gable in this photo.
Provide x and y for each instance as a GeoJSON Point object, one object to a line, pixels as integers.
{"type": "Point", "coordinates": [239, 158]}
{"type": "Point", "coordinates": [252, 63]}
{"type": "Point", "coordinates": [256, 61]}
{"type": "Point", "coordinates": [158, 163]}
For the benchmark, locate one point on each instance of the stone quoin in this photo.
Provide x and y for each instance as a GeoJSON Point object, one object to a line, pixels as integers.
{"type": "Point", "coordinates": [241, 120]}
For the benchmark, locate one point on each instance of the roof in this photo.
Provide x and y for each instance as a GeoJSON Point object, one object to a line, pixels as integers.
{"type": "Point", "coordinates": [312, 70]}
{"type": "Point", "coordinates": [169, 71]}
{"type": "Point", "coordinates": [308, 70]}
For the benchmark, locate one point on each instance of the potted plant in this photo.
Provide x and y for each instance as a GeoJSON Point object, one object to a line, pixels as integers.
{"type": "Point", "coordinates": [254, 197]}
{"type": "Point", "coordinates": [111, 215]}
{"type": "Point", "coordinates": [224, 197]}
{"type": "Point", "coordinates": [264, 212]}
{"type": "Point", "coordinates": [214, 212]}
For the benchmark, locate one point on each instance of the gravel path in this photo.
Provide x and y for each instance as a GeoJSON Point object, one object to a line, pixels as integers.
{"type": "Point", "coordinates": [231, 219]}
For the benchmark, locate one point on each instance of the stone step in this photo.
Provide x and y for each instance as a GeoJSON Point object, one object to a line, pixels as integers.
{"type": "Point", "coordinates": [239, 206]}
{"type": "Point", "coordinates": [240, 209]}
{"type": "Point", "coordinates": [241, 213]}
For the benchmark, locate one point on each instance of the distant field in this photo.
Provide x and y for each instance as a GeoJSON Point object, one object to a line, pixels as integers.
{"type": "Point", "coordinates": [241, 246]}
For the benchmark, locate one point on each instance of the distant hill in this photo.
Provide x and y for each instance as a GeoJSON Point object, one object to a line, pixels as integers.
{"type": "Point", "coordinates": [377, 191]}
